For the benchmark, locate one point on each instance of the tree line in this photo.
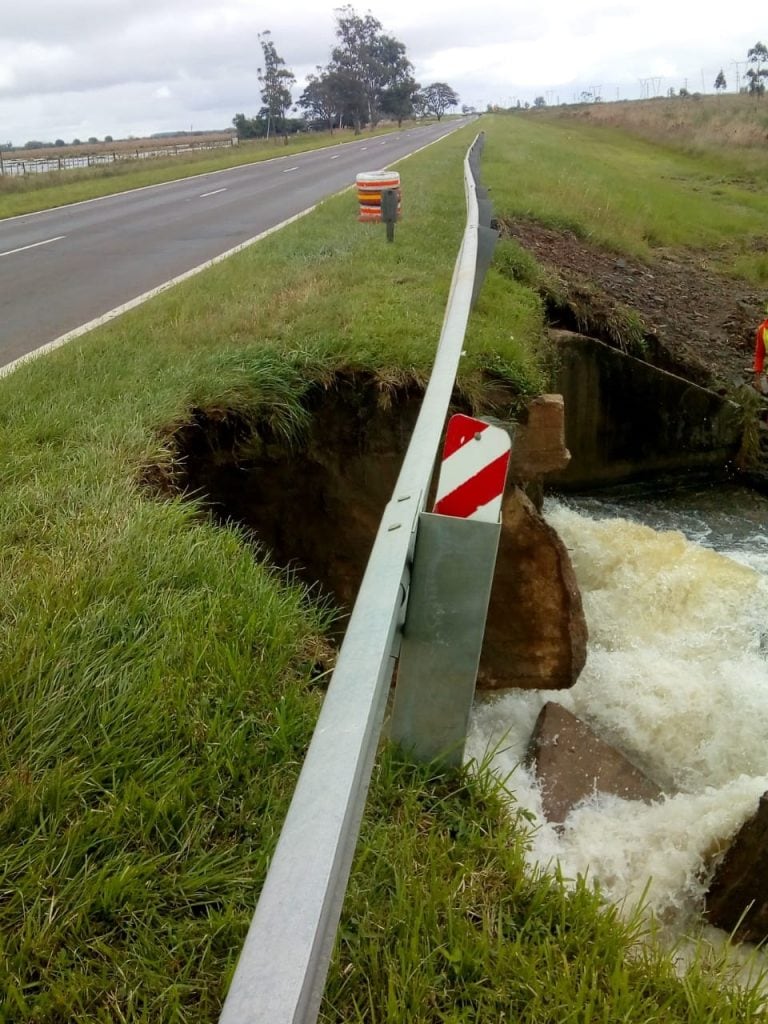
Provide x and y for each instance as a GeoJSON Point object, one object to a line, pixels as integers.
{"type": "Point", "coordinates": [368, 77]}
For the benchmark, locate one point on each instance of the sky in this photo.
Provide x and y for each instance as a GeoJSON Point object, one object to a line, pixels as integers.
{"type": "Point", "coordinates": [82, 68]}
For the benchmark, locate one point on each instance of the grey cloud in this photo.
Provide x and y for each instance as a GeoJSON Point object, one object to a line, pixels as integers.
{"type": "Point", "coordinates": [51, 21]}
{"type": "Point", "coordinates": [425, 35]}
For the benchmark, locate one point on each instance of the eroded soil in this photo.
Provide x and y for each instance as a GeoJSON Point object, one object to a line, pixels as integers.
{"type": "Point", "coordinates": [314, 506]}
{"type": "Point", "coordinates": [697, 322]}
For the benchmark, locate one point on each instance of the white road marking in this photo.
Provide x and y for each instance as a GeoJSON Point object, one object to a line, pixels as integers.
{"type": "Point", "coordinates": [363, 148]}
{"type": "Point", "coordinates": [335, 157]}
{"type": "Point", "coordinates": [34, 245]}
{"type": "Point", "coordinates": [113, 313]}
{"type": "Point", "coordinates": [178, 181]}
{"type": "Point", "coordinates": [214, 193]}
{"type": "Point", "coordinates": [140, 299]}
{"type": "Point", "coordinates": [289, 169]}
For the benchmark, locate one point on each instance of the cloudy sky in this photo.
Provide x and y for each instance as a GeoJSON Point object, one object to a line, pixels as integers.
{"type": "Point", "coordinates": [81, 68]}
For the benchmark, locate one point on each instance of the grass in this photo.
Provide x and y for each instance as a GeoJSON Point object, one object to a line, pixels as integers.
{"type": "Point", "coordinates": [444, 923]}
{"type": "Point", "coordinates": [30, 193]}
{"type": "Point", "coordinates": [724, 125]}
{"type": "Point", "coordinates": [158, 679]}
{"type": "Point", "coordinates": [625, 193]}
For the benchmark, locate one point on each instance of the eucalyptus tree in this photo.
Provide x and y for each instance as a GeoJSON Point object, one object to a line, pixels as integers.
{"type": "Point", "coordinates": [366, 63]}
{"type": "Point", "coordinates": [322, 97]}
{"type": "Point", "coordinates": [275, 80]}
{"type": "Point", "coordinates": [757, 56]}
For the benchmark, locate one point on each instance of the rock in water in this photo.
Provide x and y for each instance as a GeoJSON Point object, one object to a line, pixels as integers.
{"type": "Point", "coordinates": [572, 763]}
{"type": "Point", "coordinates": [536, 633]}
{"type": "Point", "coordinates": [737, 899]}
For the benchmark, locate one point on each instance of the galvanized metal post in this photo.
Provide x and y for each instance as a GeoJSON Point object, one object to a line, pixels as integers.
{"type": "Point", "coordinates": [451, 578]}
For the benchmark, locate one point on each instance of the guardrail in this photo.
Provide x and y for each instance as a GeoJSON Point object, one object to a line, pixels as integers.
{"type": "Point", "coordinates": [282, 968]}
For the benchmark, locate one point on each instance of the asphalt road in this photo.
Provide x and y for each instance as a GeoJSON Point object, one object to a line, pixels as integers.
{"type": "Point", "coordinates": [64, 268]}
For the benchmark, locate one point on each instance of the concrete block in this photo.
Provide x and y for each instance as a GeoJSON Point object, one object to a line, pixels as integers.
{"type": "Point", "coordinates": [572, 763]}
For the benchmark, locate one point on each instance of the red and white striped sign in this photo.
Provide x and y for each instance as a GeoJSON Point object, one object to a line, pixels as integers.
{"type": "Point", "coordinates": [473, 471]}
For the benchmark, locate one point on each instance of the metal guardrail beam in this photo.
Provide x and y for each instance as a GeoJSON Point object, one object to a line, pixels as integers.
{"type": "Point", "coordinates": [282, 969]}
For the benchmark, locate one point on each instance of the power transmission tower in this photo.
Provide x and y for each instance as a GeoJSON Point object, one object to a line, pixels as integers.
{"type": "Point", "coordinates": [737, 65]}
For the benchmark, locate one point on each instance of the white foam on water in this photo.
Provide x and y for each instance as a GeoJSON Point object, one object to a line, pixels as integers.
{"type": "Point", "coordinates": [675, 679]}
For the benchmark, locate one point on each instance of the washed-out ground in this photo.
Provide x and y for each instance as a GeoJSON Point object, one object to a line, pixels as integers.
{"type": "Point", "coordinates": [696, 322]}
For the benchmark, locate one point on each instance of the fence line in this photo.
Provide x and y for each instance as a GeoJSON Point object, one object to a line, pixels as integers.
{"type": "Point", "coordinates": [14, 166]}
{"type": "Point", "coordinates": [282, 968]}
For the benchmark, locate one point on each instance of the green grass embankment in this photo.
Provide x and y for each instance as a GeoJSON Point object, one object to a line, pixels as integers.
{"type": "Point", "coordinates": [157, 678]}
{"type": "Point", "coordinates": [629, 194]}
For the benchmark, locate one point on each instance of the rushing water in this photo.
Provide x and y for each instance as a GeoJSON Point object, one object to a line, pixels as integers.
{"type": "Point", "coordinates": [675, 592]}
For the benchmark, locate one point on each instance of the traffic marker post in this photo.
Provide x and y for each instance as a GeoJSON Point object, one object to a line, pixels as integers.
{"type": "Point", "coordinates": [390, 204]}
{"type": "Point", "coordinates": [473, 470]}
{"type": "Point", "coordinates": [451, 577]}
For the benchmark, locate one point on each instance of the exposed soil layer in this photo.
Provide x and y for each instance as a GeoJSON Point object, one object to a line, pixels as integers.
{"type": "Point", "coordinates": [697, 323]}
{"type": "Point", "coordinates": [315, 506]}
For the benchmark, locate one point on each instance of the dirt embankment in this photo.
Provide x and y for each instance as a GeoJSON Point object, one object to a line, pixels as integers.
{"type": "Point", "coordinates": [692, 320]}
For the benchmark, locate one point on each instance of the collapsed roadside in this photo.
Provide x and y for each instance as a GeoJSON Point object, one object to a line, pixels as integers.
{"type": "Point", "coordinates": [162, 682]}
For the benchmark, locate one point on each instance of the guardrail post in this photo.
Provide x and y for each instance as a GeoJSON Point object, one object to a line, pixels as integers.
{"type": "Point", "coordinates": [487, 237]}
{"type": "Point", "coordinates": [486, 245]}
{"type": "Point", "coordinates": [453, 565]}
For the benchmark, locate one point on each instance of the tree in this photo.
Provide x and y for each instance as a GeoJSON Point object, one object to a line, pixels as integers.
{"type": "Point", "coordinates": [321, 97]}
{"type": "Point", "coordinates": [250, 127]}
{"type": "Point", "coordinates": [757, 56]}
{"type": "Point", "coordinates": [275, 80]}
{"type": "Point", "coordinates": [539, 102]}
{"type": "Point", "coordinates": [350, 97]}
{"type": "Point", "coordinates": [720, 83]}
{"type": "Point", "coordinates": [439, 98]}
{"type": "Point", "coordinates": [398, 100]}
{"type": "Point", "coordinates": [365, 64]}
{"type": "Point", "coordinates": [420, 104]}
{"type": "Point", "coordinates": [242, 126]}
